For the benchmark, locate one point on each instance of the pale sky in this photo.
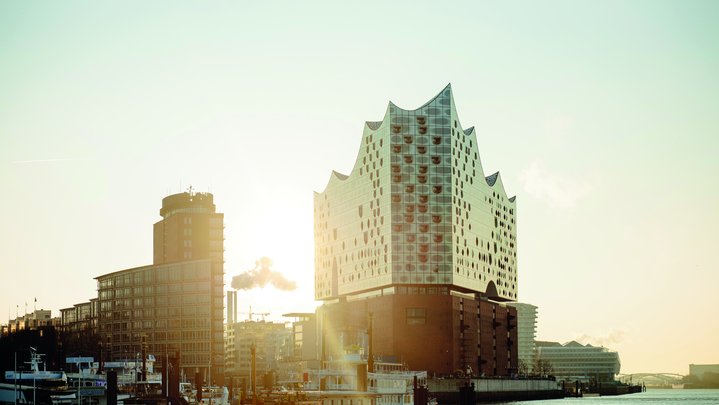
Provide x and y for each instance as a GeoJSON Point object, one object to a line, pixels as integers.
{"type": "Point", "coordinates": [603, 118]}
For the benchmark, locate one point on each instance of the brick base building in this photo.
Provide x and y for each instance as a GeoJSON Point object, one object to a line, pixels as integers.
{"type": "Point", "coordinates": [442, 334]}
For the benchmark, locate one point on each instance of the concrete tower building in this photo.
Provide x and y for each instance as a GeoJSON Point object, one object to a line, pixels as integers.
{"type": "Point", "coordinates": [418, 231]}
{"type": "Point", "coordinates": [190, 229]}
{"type": "Point", "coordinates": [175, 305]}
{"type": "Point", "coordinates": [526, 333]}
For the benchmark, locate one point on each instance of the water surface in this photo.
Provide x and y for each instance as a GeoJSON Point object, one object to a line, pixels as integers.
{"type": "Point", "coordinates": [651, 396]}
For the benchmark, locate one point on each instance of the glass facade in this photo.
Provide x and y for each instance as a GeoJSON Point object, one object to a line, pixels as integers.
{"type": "Point", "coordinates": [416, 209]}
{"type": "Point", "coordinates": [175, 307]}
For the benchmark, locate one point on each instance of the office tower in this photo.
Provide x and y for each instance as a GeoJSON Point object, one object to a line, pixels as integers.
{"type": "Point", "coordinates": [174, 306]}
{"type": "Point", "coordinates": [190, 229]}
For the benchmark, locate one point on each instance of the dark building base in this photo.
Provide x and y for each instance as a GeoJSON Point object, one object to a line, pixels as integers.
{"type": "Point", "coordinates": [442, 334]}
{"type": "Point", "coordinates": [451, 391]}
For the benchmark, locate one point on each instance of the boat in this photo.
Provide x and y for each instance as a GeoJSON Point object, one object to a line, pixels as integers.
{"type": "Point", "coordinates": [35, 385]}
{"type": "Point", "coordinates": [36, 377]}
{"type": "Point", "coordinates": [88, 382]}
{"type": "Point", "coordinates": [11, 393]}
{"type": "Point", "coordinates": [24, 394]}
{"type": "Point", "coordinates": [130, 370]}
{"type": "Point", "coordinates": [187, 392]}
{"type": "Point", "coordinates": [214, 395]}
{"type": "Point", "coordinates": [387, 383]}
{"type": "Point", "coordinates": [87, 377]}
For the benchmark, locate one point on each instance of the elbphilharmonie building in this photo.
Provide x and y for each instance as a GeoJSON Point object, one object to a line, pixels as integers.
{"type": "Point", "coordinates": [417, 209]}
{"type": "Point", "coordinates": [419, 233]}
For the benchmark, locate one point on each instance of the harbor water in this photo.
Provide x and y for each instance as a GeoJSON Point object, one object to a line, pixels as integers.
{"type": "Point", "coordinates": [651, 396]}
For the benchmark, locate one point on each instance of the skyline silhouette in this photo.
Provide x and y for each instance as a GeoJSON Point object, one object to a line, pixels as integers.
{"type": "Point", "coordinates": [600, 116]}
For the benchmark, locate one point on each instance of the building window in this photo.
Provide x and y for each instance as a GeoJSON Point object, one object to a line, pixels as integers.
{"type": "Point", "coordinates": [416, 316]}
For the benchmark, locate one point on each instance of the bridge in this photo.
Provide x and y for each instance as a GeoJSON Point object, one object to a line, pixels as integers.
{"type": "Point", "coordinates": [651, 379]}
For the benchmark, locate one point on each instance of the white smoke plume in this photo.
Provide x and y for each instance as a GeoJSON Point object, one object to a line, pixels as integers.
{"type": "Point", "coordinates": [262, 275]}
{"type": "Point", "coordinates": [615, 337]}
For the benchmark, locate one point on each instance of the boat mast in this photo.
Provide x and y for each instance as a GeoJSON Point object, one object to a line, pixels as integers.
{"type": "Point", "coordinates": [370, 354]}
{"type": "Point", "coordinates": [15, 375]}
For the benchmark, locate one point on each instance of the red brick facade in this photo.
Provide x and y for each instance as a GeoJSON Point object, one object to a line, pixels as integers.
{"type": "Point", "coordinates": [442, 334]}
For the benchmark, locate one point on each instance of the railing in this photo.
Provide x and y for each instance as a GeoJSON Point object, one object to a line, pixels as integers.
{"type": "Point", "coordinates": [340, 387]}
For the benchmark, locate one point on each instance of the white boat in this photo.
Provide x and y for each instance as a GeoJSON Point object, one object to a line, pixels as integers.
{"type": "Point", "coordinates": [215, 396]}
{"type": "Point", "coordinates": [387, 384]}
{"type": "Point", "coordinates": [27, 394]}
{"type": "Point", "coordinates": [36, 376]}
{"type": "Point", "coordinates": [187, 392]}
{"type": "Point", "coordinates": [129, 370]}
{"type": "Point", "coordinates": [63, 398]}
{"type": "Point", "coordinates": [11, 393]}
{"type": "Point", "coordinates": [87, 375]}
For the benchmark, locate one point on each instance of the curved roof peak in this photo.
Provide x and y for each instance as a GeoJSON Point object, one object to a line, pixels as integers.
{"type": "Point", "coordinates": [492, 179]}
{"type": "Point", "coordinates": [446, 91]}
{"type": "Point", "coordinates": [373, 125]}
{"type": "Point", "coordinates": [495, 182]}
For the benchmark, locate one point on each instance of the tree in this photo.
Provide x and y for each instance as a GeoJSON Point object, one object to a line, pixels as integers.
{"type": "Point", "coordinates": [523, 367]}
{"type": "Point", "coordinates": [543, 367]}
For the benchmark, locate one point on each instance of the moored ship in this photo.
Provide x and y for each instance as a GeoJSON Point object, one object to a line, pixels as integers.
{"type": "Point", "coordinates": [35, 376]}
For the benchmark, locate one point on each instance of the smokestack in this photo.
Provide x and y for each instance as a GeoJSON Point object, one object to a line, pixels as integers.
{"type": "Point", "coordinates": [234, 306]}
{"type": "Point", "coordinates": [230, 321]}
{"type": "Point", "coordinates": [231, 300]}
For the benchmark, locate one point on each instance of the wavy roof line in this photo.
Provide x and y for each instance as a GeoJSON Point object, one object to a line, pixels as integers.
{"type": "Point", "coordinates": [491, 179]}
{"type": "Point", "coordinates": [373, 125]}
{"type": "Point", "coordinates": [340, 175]}
{"type": "Point", "coordinates": [448, 86]}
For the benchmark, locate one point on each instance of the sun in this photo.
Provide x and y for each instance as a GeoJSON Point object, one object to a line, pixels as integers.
{"type": "Point", "coordinates": [284, 235]}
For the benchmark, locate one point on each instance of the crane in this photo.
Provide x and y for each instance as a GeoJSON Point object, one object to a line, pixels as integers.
{"type": "Point", "coordinates": [262, 314]}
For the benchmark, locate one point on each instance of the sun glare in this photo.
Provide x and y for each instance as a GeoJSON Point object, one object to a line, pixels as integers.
{"type": "Point", "coordinates": [287, 242]}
